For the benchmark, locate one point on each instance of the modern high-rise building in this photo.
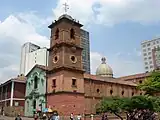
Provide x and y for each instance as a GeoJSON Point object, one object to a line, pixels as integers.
{"type": "Point", "coordinates": [148, 52]}
{"type": "Point", "coordinates": [31, 55]}
{"type": "Point", "coordinates": [86, 50]}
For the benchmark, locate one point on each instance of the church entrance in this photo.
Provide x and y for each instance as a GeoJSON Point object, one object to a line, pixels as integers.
{"type": "Point", "coordinates": [34, 106]}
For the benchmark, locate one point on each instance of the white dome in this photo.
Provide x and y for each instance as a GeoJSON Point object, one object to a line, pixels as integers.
{"type": "Point", "coordinates": [104, 69]}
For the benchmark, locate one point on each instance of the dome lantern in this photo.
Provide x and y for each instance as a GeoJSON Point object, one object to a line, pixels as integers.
{"type": "Point", "coordinates": [104, 69]}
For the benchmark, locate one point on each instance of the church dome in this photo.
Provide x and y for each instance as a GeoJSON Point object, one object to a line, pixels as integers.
{"type": "Point", "coordinates": [65, 16]}
{"type": "Point", "coordinates": [104, 69]}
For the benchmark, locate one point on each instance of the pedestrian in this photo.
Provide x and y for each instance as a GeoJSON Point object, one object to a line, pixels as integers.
{"type": "Point", "coordinates": [35, 116]}
{"type": "Point", "coordinates": [18, 117]}
{"type": "Point", "coordinates": [71, 116]}
{"type": "Point", "coordinates": [44, 117]}
{"type": "Point", "coordinates": [79, 117]}
{"type": "Point", "coordinates": [91, 116]}
{"type": "Point", "coordinates": [103, 117]}
{"type": "Point", "coordinates": [55, 116]}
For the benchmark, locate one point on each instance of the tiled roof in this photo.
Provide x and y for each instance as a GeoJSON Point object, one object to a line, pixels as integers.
{"type": "Point", "coordinates": [42, 67]}
{"type": "Point", "coordinates": [136, 76]}
{"type": "Point", "coordinates": [109, 80]}
{"type": "Point", "coordinates": [45, 68]}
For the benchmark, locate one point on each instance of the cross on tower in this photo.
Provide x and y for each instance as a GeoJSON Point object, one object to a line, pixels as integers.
{"type": "Point", "coordinates": [65, 7]}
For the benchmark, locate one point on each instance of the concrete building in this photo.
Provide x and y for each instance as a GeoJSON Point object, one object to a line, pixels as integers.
{"type": "Point", "coordinates": [31, 55]}
{"type": "Point", "coordinates": [156, 57]}
{"type": "Point", "coordinates": [39, 57]}
{"type": "Point", "coordinates": [147, 53]}
{"type": "Point", "coordinates": [12, 94]}
{"type": "Point", "coordinates": [25, 49]}
{"type": "Point", "coordinates": [86, 50]}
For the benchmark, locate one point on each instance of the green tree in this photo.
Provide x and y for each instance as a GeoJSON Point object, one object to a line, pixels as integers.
{"type": "Point", "coordinates": [152, 84]}
{"type": "Point", "coordinates": [137, 107]}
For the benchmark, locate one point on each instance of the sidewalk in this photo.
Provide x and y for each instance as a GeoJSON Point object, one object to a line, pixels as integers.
{"type": "Point", "coordinates": [12, 118]}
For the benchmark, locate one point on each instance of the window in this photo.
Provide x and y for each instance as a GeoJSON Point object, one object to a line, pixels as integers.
{"type": "Point", "coordinates": [35, 82]}
{"type": "Point", "coordinates": [57, 34]}
{"type": "Point", "coordinates": [144, 45]}
{"type": "Point", "coordinates": [146, 63]}
{"type": "Point", "coordinates": [73, 59]}
{"type": "Point", "coordinates": [132, 93]}
{"type": "Point", "coordinates": [27, 105]}
{"type": "Point", "coordinates": [146, 67]}
{"type": "Point", "coordinates": [111, 92]}
{"type": "Point", "coordinates": [122, 92]}
{"type": "Point", "coordinates": [140, 93]}
{"type": "Point", "coordinates": [150, 62]}
{"type": "Point", "coordinates": [140, 81]}
{"type": "Point", "coordinates": [149, 48]}
{"type": "Point", "coordinates": [144, 50]}
{"type": "Point", "coordinates": [151, 66]}
{"type": "Point", "coordinates": [145, 54]}
{"type": "Point", "coordinates": [148, 44]}
{"type": "Point", "coordinates": [149, 53]}
{"type": "Point", "coordinates": [98, 90]}
{"type": "Point", "coordinates": [157, 41]}
{"type": "Point", "coordinates": [72, 34]}
{"type": "Point", "coordinates": [74, 83]}
{"type": "Point", "coordinates": [34, 104]}
{"type": "Point", "coordinates": [145, 58]}
{"type": "Point", "coordinates": [54, 83]}
{"type": "Point", "coordinates": [16, 103]}
{"type": "Point", "coordinates": [149, 57]}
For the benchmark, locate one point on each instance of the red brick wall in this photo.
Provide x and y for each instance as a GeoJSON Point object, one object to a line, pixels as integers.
{"type": "Point", "coordinates": [19, 90]}
{"type": "Point", "coordinates": [66, 104]}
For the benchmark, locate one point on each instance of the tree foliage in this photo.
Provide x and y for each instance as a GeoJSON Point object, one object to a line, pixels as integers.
{"type": "Point", "coordinates": [137, 107]}
{"type": "Point", "coordinates": [152, 84]}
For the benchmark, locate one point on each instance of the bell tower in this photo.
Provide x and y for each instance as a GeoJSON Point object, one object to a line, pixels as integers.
{"type": "Point", "coordinates": [65, 82]}
{"type": "Point", "coordinates": [65, 50]}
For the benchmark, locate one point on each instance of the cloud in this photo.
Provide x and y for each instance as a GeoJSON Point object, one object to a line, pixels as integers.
{"type": "Point", "coordinates": [120, 64]}
{"type": "Point", "coordinates": [110, 12]}
{"type": "Point", "coordinates": [32, 18]}
{"type": "Point", "coordinates": [17, 29]}
{"type": "Point", "coordinates": [13, 33]}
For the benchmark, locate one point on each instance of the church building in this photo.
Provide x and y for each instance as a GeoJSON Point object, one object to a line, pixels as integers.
{"type": "Point", "coordinates": [69, 89]}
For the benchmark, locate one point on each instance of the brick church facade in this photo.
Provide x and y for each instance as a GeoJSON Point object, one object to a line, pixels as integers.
{"type": "Point", "coordinates": [69, 89]}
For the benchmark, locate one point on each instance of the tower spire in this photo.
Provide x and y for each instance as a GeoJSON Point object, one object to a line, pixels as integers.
{"type": "Point", "coordinates": [66, 7]}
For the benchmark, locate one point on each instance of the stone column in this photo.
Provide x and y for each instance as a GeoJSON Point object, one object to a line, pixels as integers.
{"type": "Point", "coordinates": [12, 91]}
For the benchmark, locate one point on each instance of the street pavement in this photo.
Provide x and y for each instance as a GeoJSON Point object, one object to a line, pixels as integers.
{"type": "Point", "coordinates": [13, 118]}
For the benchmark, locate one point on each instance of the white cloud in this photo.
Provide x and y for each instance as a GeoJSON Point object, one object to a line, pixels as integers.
{"type": "Point", "coordinates": [121, 66]}
{"type": "Point", "coordinates": [18, 29]}
{"type": "Point", "coordinates": [33, 19]}
{"type": "Point", "coordinates": [13, 33]}
{"type": "Point", "coordinates": [110, 12]}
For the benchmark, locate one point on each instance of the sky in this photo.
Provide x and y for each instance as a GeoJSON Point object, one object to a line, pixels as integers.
{"type": "Point", "coordinates": [117, 28]}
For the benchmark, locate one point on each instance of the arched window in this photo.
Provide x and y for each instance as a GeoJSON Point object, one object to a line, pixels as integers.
{"type": "Point", "coordinates": [111, 92]}
{"type": "Point", "coordinates": [35, 82]}
{"type": "Point", "coordinates": [72, 34]}
{"type": "Point", "coordinates": [57, 34]}
{"type": "Point", "coordinates": [122, 92]}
